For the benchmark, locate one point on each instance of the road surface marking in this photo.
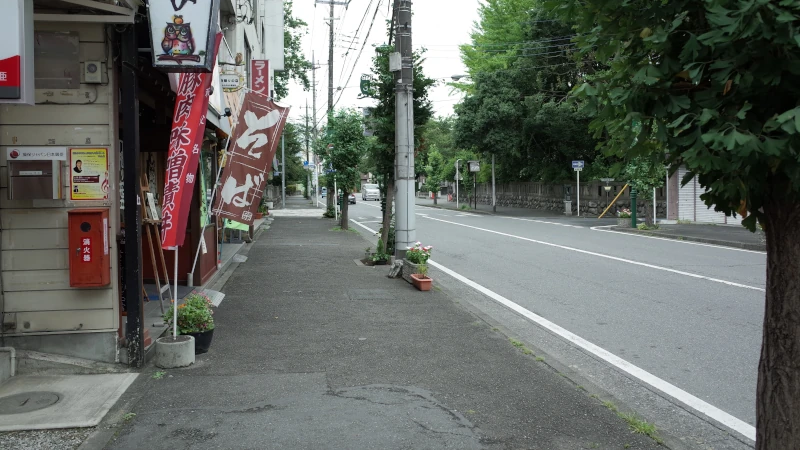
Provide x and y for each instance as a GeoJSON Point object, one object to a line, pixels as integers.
{"type": "Point", "coordinates": [709, 410]}
{"type": "Point", "coordinates": [542, 221]}
{"type": "Point", "coordinates": [601, 255]}
{"type": "Point", "coordinates": [601, 228]}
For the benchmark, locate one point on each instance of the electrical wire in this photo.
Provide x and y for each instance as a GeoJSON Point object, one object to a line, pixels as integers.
{"type": "Point", "coordinates": [366, 39]}
{"type": "Point", "coordinates": [361, 24]}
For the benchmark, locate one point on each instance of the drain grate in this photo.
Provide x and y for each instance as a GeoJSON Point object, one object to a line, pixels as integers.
{"type": "Point", "coordinates": [27, 402]}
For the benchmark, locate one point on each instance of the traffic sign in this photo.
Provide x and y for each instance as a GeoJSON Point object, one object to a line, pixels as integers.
{"type": "Point", "coordinates": [578, 165]}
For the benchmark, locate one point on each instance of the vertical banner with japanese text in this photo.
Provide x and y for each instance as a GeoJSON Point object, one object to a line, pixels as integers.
{"type": "Point", "coordinates": [188, 127]}
{"type": "Point", "coordinates": [253, 146]}
{"type": "Point", "coordinates": [259, 77]}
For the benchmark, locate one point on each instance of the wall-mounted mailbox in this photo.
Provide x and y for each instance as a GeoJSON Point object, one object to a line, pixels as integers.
{"type": "Point", "coordinates": [33, 180]}
{"type": "Point", "coordinates": [89, 262]}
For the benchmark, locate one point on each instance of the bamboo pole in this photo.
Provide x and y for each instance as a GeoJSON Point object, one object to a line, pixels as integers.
{"type": "Point", "coordinates": [613, 201]}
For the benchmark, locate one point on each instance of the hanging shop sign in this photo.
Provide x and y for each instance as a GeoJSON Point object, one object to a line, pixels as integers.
{"type": "Point", "coordinates": [186, 139]}
{"type": "Point", "coordinates": [259, 77]}
{"type": "Point", "coordinates": [16, 53]}
{"type": "Point", "coordinates": [253, 148]}
{"type": "Point", "coordinates": [231, 81]}
{"type": "Point", "coordinates": [88, 174]}
{"type": "Point", "coordinates": [182, 33]}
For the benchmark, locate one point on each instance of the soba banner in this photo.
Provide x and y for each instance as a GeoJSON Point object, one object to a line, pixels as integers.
{"type": "Point", "coordinates": [254, 143]}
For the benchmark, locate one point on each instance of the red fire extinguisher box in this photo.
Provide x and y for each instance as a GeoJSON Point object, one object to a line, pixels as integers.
{"type": "Point", "coordinates": [89, 262]}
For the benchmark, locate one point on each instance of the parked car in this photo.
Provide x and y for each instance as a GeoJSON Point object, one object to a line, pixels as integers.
{"type": "Point", "coordinates": [370, 192]}
{"type": "Point", "coordinates": [350, 199]}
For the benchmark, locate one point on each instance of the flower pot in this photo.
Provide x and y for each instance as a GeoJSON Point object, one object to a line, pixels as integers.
{"type": "Point", "coordinates": [259, 215]}
{"type": "Point", "coordinates": [409, 268]}
{"type": "Point", "coordinates": [423, 284]}
{"type": "Point", "coordinates": [202, 341]}
{"type": "Point", "coordinates": [624, 222]}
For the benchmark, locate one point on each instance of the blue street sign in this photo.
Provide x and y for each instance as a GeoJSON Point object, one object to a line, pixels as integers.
{"type": "Point", "coordinates": [305, 163]}
{"type": "Point", "coordinates": [577, 164]}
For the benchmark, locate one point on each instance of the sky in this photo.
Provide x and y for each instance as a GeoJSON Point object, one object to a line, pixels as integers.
{"type": "Point", "coordinates": [440, 26]}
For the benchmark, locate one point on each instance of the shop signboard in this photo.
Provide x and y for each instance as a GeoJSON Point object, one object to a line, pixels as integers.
{"type": "Point", "coordinates": [182, 33]}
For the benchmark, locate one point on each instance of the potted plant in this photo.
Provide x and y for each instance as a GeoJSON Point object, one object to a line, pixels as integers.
{"type": "Point", "coordinates": [195, 318]}
{"type": "Point", "coordinates": [421, 280]}
{"type": "Point", "coordinates": [624, 218]}
{"type": "Point", "coordinates": [380, 258]}
{"type": "Point", "coordinates": [262, 209]}
{"type": "Point", "coordinates": [416, 263]}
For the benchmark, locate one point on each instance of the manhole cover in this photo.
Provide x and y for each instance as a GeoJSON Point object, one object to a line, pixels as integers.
{"type": "Point", "coordinates": [27, 402]}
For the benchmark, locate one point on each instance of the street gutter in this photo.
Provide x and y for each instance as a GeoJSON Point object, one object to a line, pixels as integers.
{"type": "Point", "coordinates": [679, 237]}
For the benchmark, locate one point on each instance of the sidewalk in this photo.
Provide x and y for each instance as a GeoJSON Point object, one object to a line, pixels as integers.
{"type": "Point", "coordinates": [312, 350]}
{"type": "Point", "coordinates": [725, 235]}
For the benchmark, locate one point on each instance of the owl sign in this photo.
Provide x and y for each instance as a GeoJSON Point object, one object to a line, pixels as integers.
{"type": "Point", "coordinates": [182, 34]}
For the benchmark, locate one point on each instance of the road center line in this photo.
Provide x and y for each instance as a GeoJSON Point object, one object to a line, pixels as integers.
{"type": "Point", "coordinates": [667, 388]}
{"type": "Point", "coordinates": [601, 255]}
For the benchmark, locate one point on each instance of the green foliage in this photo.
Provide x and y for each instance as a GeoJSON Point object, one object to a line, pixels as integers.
{"type": "Point", "coordinates": [295, 63]}
{"type": "Point", "coordinates": [645, 174]}
{"type": "Point", "coordinates": [345, 146]}
{"type": "Point", "coordinates": [194, 314]}
{"type": "Point", "coordinates": [713, 82]}
{"type": "Point", "coordinates": [522, 72]}
{"type": "Point", "coordinates": [293, 142]}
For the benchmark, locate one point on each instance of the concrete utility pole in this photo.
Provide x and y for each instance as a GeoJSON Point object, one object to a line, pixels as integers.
{"type": "Point", "coordinates": [308, 156]}
{"type": "Point", "coordinates": [405, 223]}
{"type": "Point", "coordinates": [314, 119]}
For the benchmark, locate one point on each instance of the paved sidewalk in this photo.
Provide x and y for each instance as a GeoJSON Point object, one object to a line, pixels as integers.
{"type": "Point", "coordinates": [726, 235]}
{"type": "Point", "coordinates": [314, 351]}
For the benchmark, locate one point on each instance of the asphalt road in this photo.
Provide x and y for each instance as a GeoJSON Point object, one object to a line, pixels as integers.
{"type": "Point", "coordinates": [689, 314]}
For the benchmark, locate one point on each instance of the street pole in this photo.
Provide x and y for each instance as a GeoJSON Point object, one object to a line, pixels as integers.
{"type": "Point", "coordinates": [579, 192]}
{"type": "Point", "coordinates": [308, 169]}
{"type": "Point", "coordinates": [654, 206]}
{"type": "Point", "coordinates": [494, 194]}
{"type": "Point", "coordinates": [283, 174]}
{"type": "Point", "coordinates": [457, 177]}
{"type": "Point", "coordinates": [404, 133]}
{"type": "Point", "coordinates": [475, 189]}
{"type": "Point", "coordinates": [633, 207]}
{"type": "Point", "coordinates": [314, 119]}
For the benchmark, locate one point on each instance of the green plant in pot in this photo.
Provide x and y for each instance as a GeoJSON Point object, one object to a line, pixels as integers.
{"type": "Point", "coordinates": [195, 318]}
{"type": "Point", "coordinates": [380, 257]}
{"type": "Point", "coordinates": [418, 255]}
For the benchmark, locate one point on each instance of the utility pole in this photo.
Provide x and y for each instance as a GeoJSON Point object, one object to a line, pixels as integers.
{"type": "Point", "coordinates": [405, 223]}
{"type": "Point", "coordinates": [308, 174]}
{"type": "Point", "coordinates": [314, 120]}
{"type": "Point", "coordinates": [283, 173]}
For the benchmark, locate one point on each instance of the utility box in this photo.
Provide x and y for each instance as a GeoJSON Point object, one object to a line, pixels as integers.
{"type": "Point", "coordinates": [34, 180]}
{"type": "Point", "coordinates": [89, 262]}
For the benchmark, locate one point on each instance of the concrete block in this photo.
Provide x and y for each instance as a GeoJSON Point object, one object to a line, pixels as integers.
{"type": "Point", "coordinates": [8, 363]}
{"type": "Point", "coordinates": [174, 353]}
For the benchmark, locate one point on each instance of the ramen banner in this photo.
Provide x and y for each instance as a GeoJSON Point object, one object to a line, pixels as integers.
{"type": "Point", "coordinates": [253, 145]}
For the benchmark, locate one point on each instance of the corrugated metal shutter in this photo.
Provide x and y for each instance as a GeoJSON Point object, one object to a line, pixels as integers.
{"type": "Point", "coordinates": [691, 207]}
{"type": "Point", "coordinates": [686, 197]}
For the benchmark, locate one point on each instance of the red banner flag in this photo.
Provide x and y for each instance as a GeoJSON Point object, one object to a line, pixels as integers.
{"type": "Point", "coordinates": [188, 127]}
{"type": "Point", "coordinates": [253, 146]}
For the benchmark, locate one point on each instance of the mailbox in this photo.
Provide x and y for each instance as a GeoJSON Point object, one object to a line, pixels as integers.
{"type": "Point", "coordinates": [32, 180]}
{"type": "Point", "coordinates": [89, 263]}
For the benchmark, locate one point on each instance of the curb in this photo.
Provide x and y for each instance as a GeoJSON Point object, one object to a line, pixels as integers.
{"type": "Point", "coordinates": [678, 237]}
{"type": "Point", "coordinates": [475, 211]}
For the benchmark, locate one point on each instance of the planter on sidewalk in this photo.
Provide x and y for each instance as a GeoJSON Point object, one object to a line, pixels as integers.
{"type": "Point", "coordinates": [409, 269]}
{"type": "Point", "coordinates": [624, 222]}
{"type": "Point", "coordinates": [423, 284]}
{"type": "Point", "coordinates": [202, 341]}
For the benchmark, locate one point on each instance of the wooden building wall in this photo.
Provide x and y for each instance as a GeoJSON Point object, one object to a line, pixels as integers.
{"type": "Point", "coordinates": [36, 294]}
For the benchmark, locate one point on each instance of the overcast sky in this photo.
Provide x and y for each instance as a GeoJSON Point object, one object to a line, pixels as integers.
{"type": "Point", "coordinates": [438, 25]}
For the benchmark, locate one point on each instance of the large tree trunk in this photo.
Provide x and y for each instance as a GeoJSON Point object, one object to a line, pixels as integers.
{"type": "Point", "coordinates": [778, 392]}
{"type": "Point", "coordinates": [648, 213]}
{"type": "Point", "coordinates": [435, 197]}
{"type": "Point", "coordinates": [345, 207]}
{"type": "Point", "coordinates": [387, 215]}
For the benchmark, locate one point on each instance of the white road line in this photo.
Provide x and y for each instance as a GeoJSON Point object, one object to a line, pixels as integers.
{"type": "Point", "coordinates": [709, 410]}
{"type": "Point", "coordinates": [601, 228]}
{"type": "Point", "coordinates": [601, 255]}
{"type": "Point", "coordinates": [363, 226]}
{"type": "Point", "coordinates": [671, 390]}
{"type": "Point", "coordinates": [542, 221]}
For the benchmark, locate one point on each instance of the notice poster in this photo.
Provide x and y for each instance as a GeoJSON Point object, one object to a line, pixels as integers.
{"type": "Point", "coordinates": [88, 174]}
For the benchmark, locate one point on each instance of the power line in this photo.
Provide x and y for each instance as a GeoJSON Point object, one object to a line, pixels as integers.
{"type": "Point", "coordinates": [361, 24]}
{"type": "Point", "coordinates": [366, 39]}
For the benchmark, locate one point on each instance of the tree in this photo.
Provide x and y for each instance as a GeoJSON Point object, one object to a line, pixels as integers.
{"type": "Point", "coordinates": [434, 174]}
{"type": "Point", "coordinates": [645, 174]}
{"type": "Point", "coordinates": [296, 66]}
{"type": "Point", "coordinates": [347, 146]}
{"type": "Point", "coordinates": [715, 83]}
{"type": "Point", "coordinates": [295, 173]}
